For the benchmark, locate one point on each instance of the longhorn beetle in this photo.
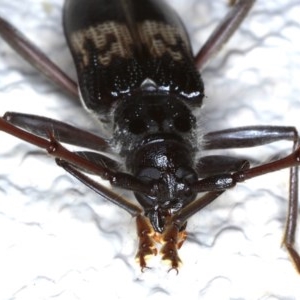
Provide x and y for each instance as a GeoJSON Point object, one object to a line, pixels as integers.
{"type": "Point", "coordinates": [138, 77]}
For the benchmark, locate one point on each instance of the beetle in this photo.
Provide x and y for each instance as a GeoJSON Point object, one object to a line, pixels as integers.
{"type": "Point", "coordinates": [138, 77]}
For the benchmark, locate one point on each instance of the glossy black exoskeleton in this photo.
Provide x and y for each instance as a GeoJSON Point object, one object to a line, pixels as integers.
{"type": "Point", "coordinates": [137, 75]}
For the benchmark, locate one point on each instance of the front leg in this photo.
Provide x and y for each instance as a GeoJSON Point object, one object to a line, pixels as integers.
{"type": "Point", "coordinates": [172, 239]}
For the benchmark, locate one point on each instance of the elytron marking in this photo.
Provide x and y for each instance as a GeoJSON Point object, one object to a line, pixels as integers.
{"type": "Point", "coordinates": [112, 39]}
{"type": "Point", "coordinates": [109, 38]}
{"type": "Point", "coordinates": [160, 38]}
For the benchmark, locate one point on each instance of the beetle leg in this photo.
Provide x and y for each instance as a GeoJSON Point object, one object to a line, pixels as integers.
{"type": "Point", "coordinates": [104, 192]}
{"type": "Point", "coordinates": [146, 234]}
{"type": "Point", "coordinates": [66, 133]}
{"type": "Point", "coordinates": [36, 57]}
{"type": "Point", "coordinates": [219, 164]}
{"type": "Point", "coordinates": [172, 240]}
{"type": "Point", "coordinates": [182, 236]}
{"type": "Point", "coordinates": [249, 136]}
{"type": "Point", "coordinates": [292, 217]}
{"type": "Point", "coordinates": [291, 161]}
{"type": "Point", "coordinates": [54, 148]}
{"type": "Point", "coordinates": [259, 135]}
{"type": "Point", "coordinates": [224, 31]}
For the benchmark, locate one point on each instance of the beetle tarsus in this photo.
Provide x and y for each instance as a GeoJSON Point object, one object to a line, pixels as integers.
{"type": "Point", "coordinates": [146, 241]}
{"type": "Point", "coordinates": [173, 240]}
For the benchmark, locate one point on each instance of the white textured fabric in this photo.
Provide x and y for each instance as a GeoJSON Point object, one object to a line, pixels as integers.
{"type": "Point", "coordinates": [58, 240]}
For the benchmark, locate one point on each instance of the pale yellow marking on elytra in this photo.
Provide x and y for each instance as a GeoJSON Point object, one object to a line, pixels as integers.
{"type": "Point", "coordinates": [113, 39]}
{"type": "Point", "coordinates": [111, 35]}
{"type": "Point", "coordinates": [160, 38]}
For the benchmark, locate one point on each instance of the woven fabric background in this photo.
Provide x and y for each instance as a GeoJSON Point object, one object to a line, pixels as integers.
{"type": "Point", "coordinates": [58, 240]}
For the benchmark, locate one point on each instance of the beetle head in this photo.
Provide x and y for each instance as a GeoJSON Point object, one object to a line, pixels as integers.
{"type": "Point", "coordinates": [169, 174]}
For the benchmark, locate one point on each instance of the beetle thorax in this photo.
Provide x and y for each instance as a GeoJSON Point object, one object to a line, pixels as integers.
{"type": "Point", "coordinates": [148, 117]}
